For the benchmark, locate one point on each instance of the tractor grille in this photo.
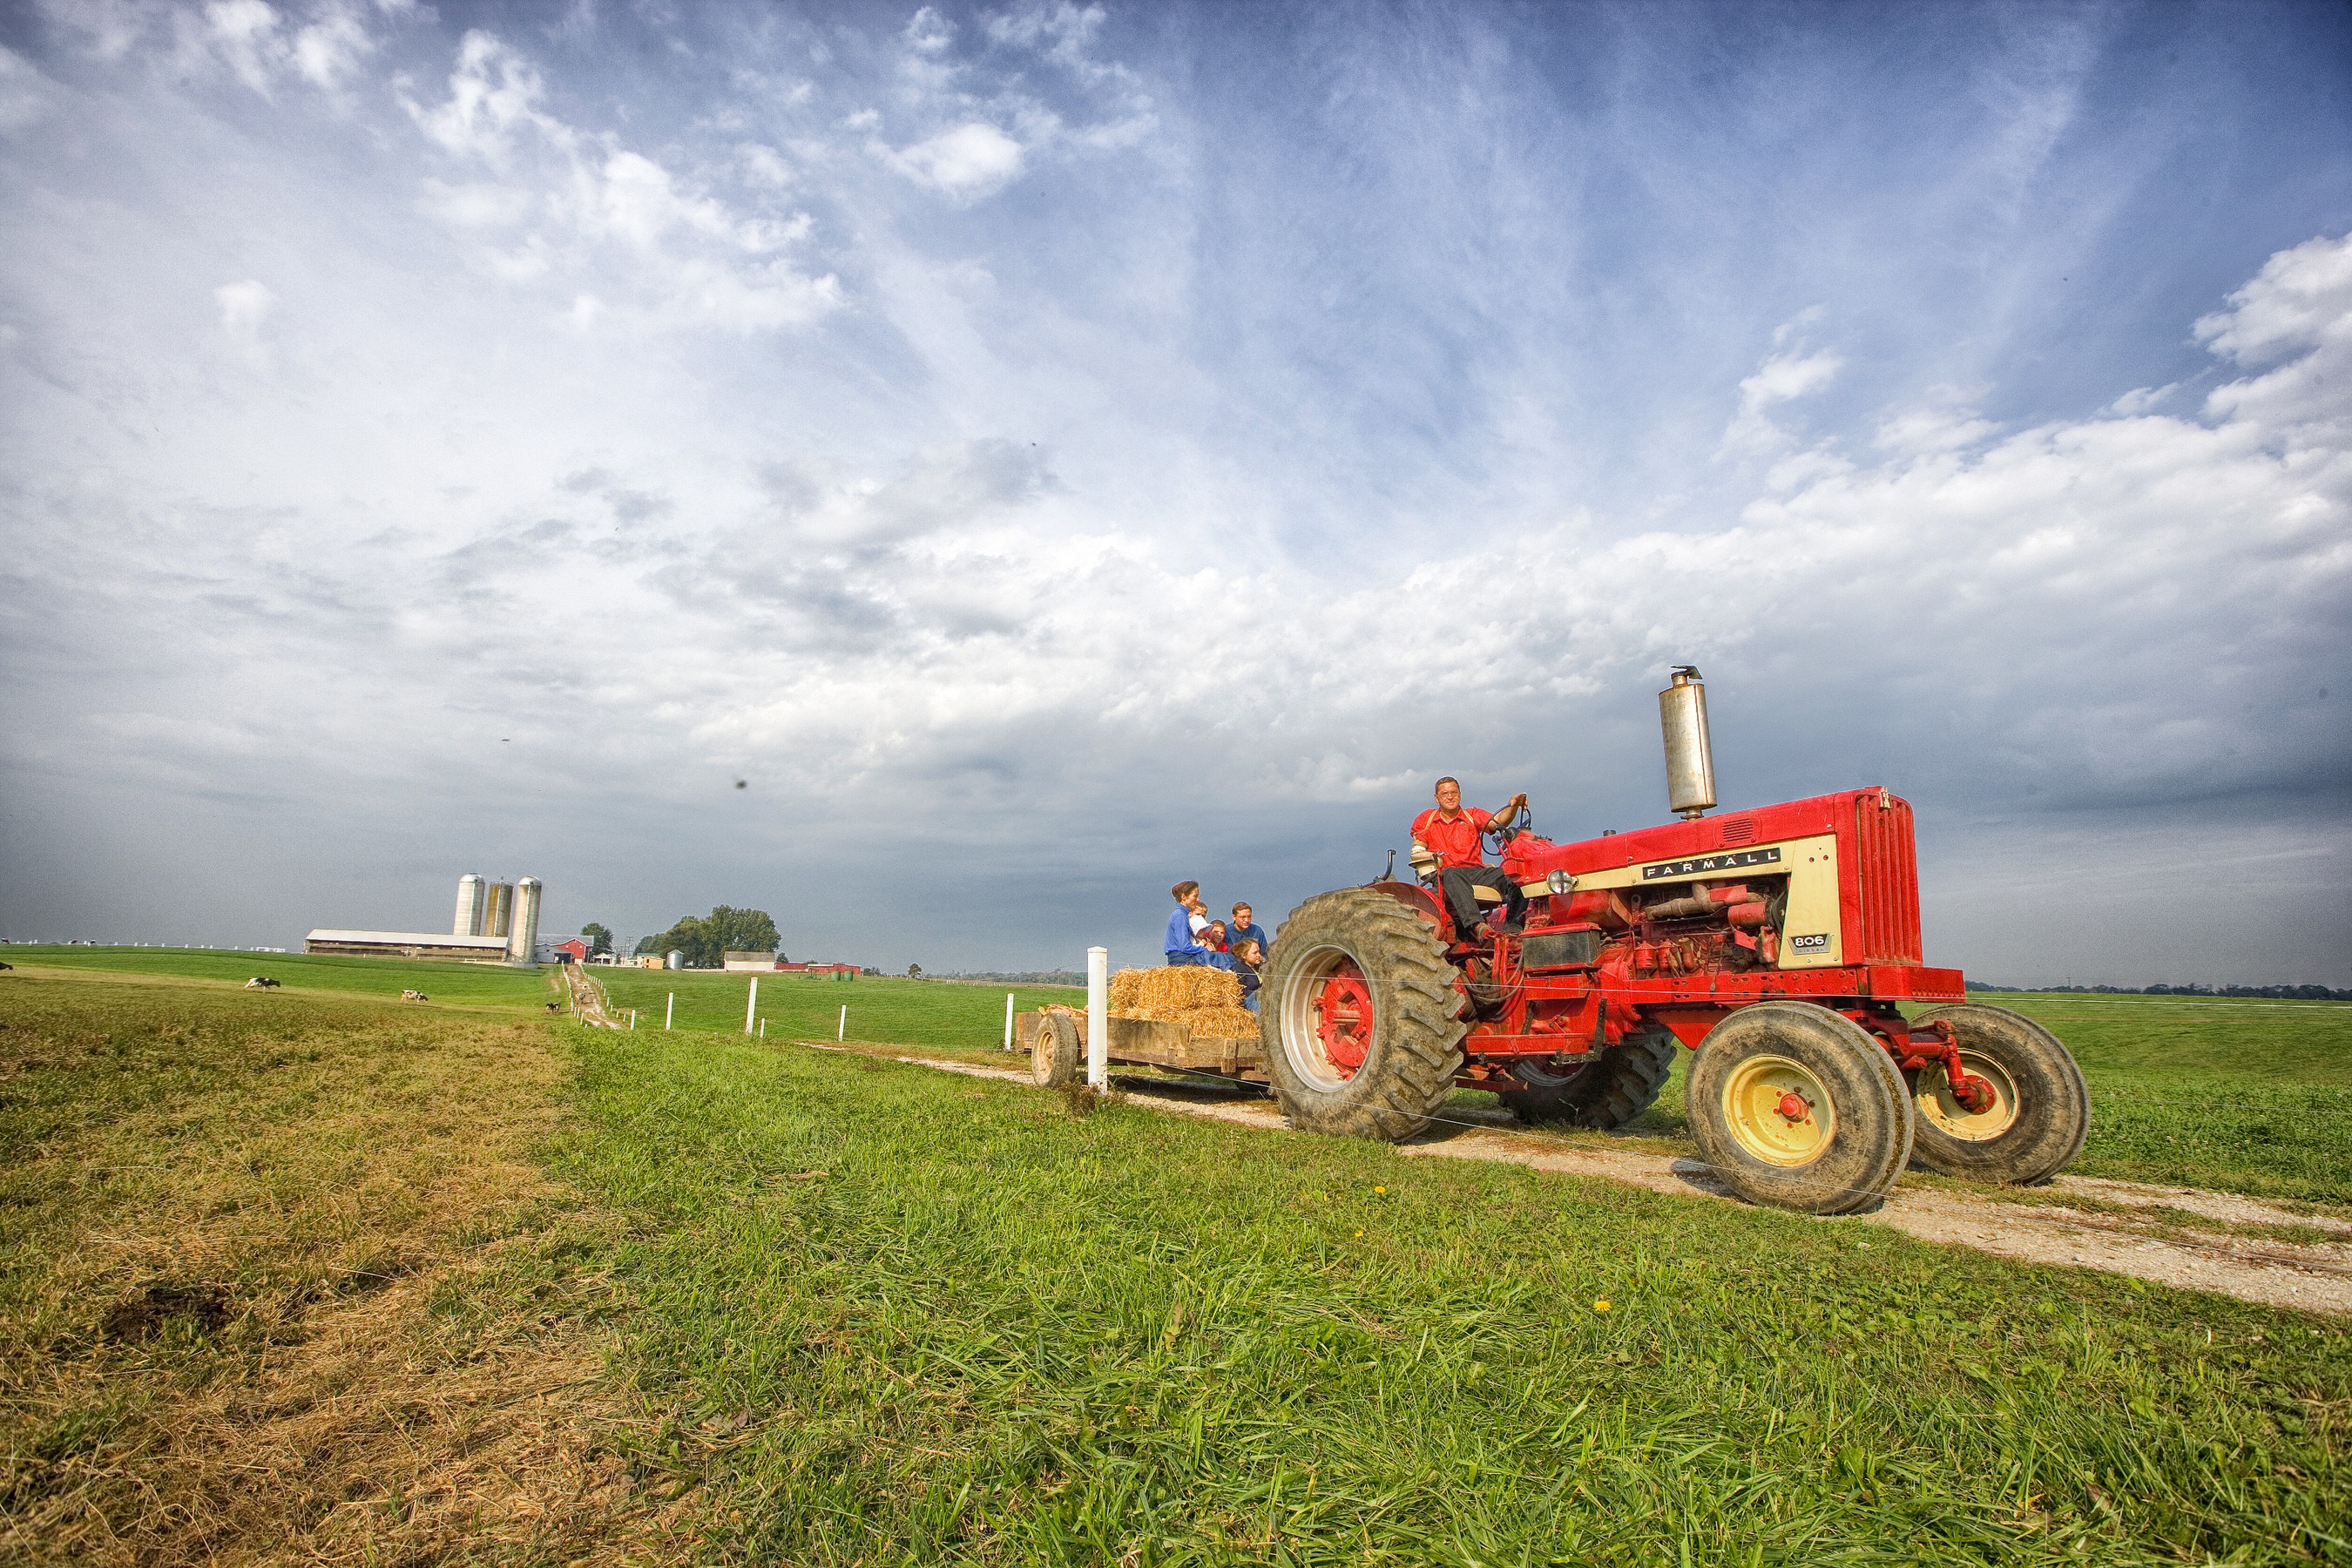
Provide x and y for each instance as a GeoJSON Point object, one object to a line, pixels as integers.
{"type": "Point", "coordinates": [1887, 874]}
{"type": "Point", "coordinates": [1739, 830]}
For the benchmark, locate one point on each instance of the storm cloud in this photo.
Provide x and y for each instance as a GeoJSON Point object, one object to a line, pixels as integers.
{"type": "Point", "coordinates": [1050, 451]}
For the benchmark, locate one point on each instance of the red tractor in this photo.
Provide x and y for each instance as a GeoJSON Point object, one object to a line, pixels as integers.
{"type": "Point", "coordinates": [1781, 944]}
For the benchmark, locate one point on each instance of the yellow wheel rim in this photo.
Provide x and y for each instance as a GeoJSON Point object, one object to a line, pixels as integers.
{"type": "Point", "coordinates": [1934, 1098]}
{"type": "Point", "coordinates": [1778, 1110]}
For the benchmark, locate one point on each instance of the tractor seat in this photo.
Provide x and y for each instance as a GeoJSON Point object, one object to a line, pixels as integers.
{"type": "Point", "coordinates": [1486, 895]}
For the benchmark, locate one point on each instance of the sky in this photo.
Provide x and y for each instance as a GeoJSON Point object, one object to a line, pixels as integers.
{"type": "Point", "coordinates": [942, 475]}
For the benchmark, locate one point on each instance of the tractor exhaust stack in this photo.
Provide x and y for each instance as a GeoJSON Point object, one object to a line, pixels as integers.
{"type": "Point", "coordinates": [1690, 760]}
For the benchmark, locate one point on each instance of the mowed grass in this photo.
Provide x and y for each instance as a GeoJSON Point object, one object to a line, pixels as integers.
{"type": "Point", "coordinates": [2237, 1096]}
{"type": "Point", "coordinates": [280, 1281]}
{"type": "Point", "coordinates": [276, 1284]}
{"type": "Point", "coordinates": [888, 1314]}
{"type": "Point", "coordinates": [934, 1014]}
{"type": "Point", "coordinates": [446, 981]}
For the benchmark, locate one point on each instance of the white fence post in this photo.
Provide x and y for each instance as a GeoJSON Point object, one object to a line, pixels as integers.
{"type": "Point", "coordinates": [1008, 1020]}
{"type": "Point", "coordinates": [753, 1005]}
{"type": "Point", "coordinates": [763, 1028]}
{"type": "Point", "coordinates": [670, 1009]}
{"type": "Point", "coordinates": [841, 1030]}
{"type": "Point", "coordinates": [1098, 1016]}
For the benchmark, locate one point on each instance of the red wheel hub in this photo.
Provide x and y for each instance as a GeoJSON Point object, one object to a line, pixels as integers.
{"type": "Point", "coordinates": [1343, 1017]}
{"type": "Point", "coordinates": [1975, 1096]}
{"type": "Point", "coordinates": [1793, 1107]}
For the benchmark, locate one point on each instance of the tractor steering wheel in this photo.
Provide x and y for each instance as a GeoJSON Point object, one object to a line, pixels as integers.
{"type": "Point", "coordinates": [1503, 823]}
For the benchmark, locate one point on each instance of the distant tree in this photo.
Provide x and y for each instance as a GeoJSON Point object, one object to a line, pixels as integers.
{"type": "Point", "coordinates": [649, 945]}
{"type": "Point", "coordinates": [600, 940]}
{"type": "Point", "coordinates": [914, 972]}
{"type": "Point", "coordinates": [707, 940]}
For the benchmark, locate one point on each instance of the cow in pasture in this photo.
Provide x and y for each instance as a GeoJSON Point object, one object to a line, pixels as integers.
{"type": "Point", "coordinates": [415, 997]}
{"type": "Point", "coordinates": [261, 982]}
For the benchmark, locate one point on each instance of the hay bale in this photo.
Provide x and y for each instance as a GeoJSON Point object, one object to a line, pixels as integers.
{"type": "Point", "coordinates": [1165, 995]}
{"type": "Point", "coordinates": [1222, 1021]}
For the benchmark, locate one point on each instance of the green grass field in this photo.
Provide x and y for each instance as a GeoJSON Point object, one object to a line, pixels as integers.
{"type": "Point", "coordinates": [757, 1303]}
{"type": "Point", "coordinates": [934, 1014]}
{"type": "Point", "coordinates": [447, 983]}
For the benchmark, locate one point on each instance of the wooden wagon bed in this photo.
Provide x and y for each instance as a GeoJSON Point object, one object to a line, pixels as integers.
{"type": "Point", "coordinates": [1147, 1042]}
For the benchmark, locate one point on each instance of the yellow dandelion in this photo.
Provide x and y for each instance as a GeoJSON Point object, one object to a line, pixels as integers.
{"type": "Point", "coordinates": [1379, 1189]}
{"type": "Point", "coordinates": [1601, 1305]}
{"type": "Point", "coordinates": [1360, 1233]}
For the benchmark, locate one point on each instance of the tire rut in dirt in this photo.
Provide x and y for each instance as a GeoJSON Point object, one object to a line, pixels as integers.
{"type": "Point", "coordinates": [1605, 1093]}
{"type": "Point", "coordinates": [1414, 1048]}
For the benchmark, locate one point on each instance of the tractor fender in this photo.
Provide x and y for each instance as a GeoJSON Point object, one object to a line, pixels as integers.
{"type": "Point", "coordinates": [1417, 899]}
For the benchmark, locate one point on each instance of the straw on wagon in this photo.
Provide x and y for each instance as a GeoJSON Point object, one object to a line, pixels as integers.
{"type": "Point", "coordinates": [1206, 1001]}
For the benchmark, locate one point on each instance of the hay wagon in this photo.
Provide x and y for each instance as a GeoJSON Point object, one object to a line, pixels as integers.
{"type": "Point", "coordinates": [1057, 1040]}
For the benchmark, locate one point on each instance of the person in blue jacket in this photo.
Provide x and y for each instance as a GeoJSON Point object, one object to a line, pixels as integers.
{"type": "Point", "coordinates": [1185, 926]}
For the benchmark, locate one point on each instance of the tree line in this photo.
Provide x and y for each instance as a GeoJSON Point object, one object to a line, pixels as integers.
{"type": "Point", "coordinates": [707, 940]}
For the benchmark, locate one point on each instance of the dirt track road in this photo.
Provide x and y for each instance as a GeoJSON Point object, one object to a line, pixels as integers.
{"type": "Point", "coordinates": [2172, 1235]}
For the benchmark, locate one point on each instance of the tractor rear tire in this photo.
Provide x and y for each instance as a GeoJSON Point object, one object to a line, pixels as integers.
{"type": "Point", "coordinates": [1380, 1065]}
{"type": "Point", "coordinates": [1054, 1058]}
{"type": "Point", "coordinates": [2041, 1112]}
{"type": "Point", "coordinates": [1601, 1095]}
{"type": "Point", "coordinates": [1798, 1107]}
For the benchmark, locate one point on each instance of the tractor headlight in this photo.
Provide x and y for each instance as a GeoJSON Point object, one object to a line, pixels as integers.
{"type": "Point", "coordinates": [1560, 882]}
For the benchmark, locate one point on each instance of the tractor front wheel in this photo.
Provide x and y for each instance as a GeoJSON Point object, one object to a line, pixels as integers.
{"type": "Point", "coordinates": [2035, 1117]}
{"type": "Point", "coordinates": [1605, 1093]}
{"type": "Point", "coordinates": [1053, 1054]}
{"type": "Point", "coordinates": [1358, 1017]}
{"type": "Point", "coordinates": [1797, 1107]}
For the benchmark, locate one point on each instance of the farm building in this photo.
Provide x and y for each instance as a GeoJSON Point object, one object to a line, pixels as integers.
{"type": "Point", "coordinates": [405, 944]}
{"type": "Point", "coordinates": [571, 949]}
{"type": "Point", "coordinates": [755, 962]}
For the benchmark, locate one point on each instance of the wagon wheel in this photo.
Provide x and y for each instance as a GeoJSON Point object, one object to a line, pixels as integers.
{"type": "Point", "coordinates": [1797, 1107]}
{"type": "Point", "coordinates": [1601, 1094]}
{"type": "Point", "coordinates": [2034, 1117]}
{"type": "Point", "coordinates": [1053, 1054]}
{"type": "Point", "coordinates": [1358, 1016]}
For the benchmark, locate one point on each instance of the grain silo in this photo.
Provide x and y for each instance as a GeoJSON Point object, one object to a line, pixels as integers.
{"type": "Point", "coordinates": [470, 902]}
{"type": "Point", "coordinates": [498, 911]}
{"type": "Point", "coordinates": [522, 947]}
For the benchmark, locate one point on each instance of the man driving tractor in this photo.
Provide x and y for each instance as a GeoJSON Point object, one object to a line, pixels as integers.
{"type": "Point", "coordinates": [1449, 836]}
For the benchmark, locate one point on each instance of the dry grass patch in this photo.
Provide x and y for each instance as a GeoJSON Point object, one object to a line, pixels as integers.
{"type": "Point", "coordinates": [280, 1282]}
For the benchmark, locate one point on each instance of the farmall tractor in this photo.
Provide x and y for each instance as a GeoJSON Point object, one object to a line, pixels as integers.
{"type": "Point", "coordinates": [1781, 944]}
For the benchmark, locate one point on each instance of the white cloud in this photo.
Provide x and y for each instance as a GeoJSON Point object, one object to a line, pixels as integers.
{"type": "Point", "coordinates": [1944, 421]}
{"type": "Point", "coordinates": [695, 260]}
{"type": "Point", "coordinates": [2295, 317]}
{"type": "Point", "coordinates": [929, 33]}
{"type": "Point", "coordinates": [245, 309]}
{"type": "Point", "coordinates": [1782, 378]}
{"type": "Point", "coordinates": [494, 94]}
{"type": "Point", "coordinates": [964, 163]}
{"type": "Point", "coordinates": [261, 45]}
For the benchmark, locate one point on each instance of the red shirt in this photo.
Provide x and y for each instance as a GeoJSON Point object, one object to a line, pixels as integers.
{"type": "Point", "coordinates": [1455, 842]}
